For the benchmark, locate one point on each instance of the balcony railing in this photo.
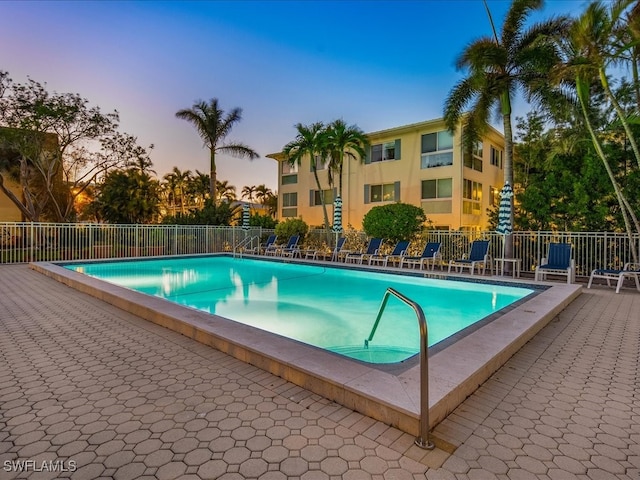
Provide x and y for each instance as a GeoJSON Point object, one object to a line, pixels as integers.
{"type": "Point", "coordinates": [33, 242]}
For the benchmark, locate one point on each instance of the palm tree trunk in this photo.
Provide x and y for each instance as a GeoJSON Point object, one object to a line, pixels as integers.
{"type": "Point", "coordinates": [324, 207]}
{"type": "Point", "coordinates": [508, 166]}
{"type": "Point", "coordinates": [212, 176]}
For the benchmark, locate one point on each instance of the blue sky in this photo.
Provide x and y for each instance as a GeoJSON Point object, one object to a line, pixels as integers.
{"type": "Point", "coordinates": [376, 64]}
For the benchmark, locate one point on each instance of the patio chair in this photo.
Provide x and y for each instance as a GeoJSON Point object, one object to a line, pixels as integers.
{"type": "Point", "coordinates": [338, 249]}
{"type": "Point", "coordinates": [261, 248]}
{"type": "Point", "coordinates": [372, 249]}
{"type": "Point", "coordinates": [630, 270]}
{"type": "Point", "coordinates": [395, 256]}
{"type": "Point", "coordinates": [291, 248]}
{"type": "Point", "coordinates": [271, 247]}
{"type": "Point", "coordinates": [478, 255]}
{"type": "Point", "coordinates": [429, 255]}
{"type": "Point", "coordinates": [558, 262]}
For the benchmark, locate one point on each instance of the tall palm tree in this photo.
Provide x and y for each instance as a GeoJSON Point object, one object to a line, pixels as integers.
{"type": "Point", "coordinates": [342, 140]}
{"type": "Point", "coordinates": [214, 126]}
{"type": "Point", "coordinates": [498, 67]}
{"type": "Point", "coordinates": [579, 72]}
{"type": "Point", "coordinates": [309, 142]}
{"type": "Point", "coordinates": [262, 193]}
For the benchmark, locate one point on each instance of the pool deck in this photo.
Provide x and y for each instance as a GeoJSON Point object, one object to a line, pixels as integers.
{"type": "Point", "coordinates": [83, 380]}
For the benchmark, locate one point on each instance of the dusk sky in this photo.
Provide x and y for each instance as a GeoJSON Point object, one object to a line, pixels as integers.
{"type": "Point", "coordinates": [376, 64]}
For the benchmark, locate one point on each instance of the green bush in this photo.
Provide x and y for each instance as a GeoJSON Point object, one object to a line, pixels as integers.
{"type": "Point", "coordinates": [292, 226]}
{"type": "Point", "coordinates": [264, 221]}
{"type": "Point", "coordinates": [394, 222]}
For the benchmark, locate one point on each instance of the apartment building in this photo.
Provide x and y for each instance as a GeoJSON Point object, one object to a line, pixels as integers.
{"type": "Point", "coordinates": [422, 164]}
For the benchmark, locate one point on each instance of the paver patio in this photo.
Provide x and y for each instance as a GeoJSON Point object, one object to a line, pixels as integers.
{"type": "Point", "coordinates": [97, 389]}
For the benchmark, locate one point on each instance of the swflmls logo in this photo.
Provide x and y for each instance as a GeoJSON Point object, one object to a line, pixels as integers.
{"type": "Point", "coordinates": [43, 466]}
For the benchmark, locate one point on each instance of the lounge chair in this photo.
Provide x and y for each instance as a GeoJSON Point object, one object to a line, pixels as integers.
{"type": "Point", "coordinates": [261, 248]}
{"type": "Point", "coordinates": [557, 262]}
{"type": "Point", "coordinates": [372, 249]}
{"type": "Point", "coordinates": [271, 247]}
{"type": "Point", "coordinates": [428, 256]}
{"type": "Point", "coordinates": [335, 255]}
{"type": "Point", "coordinates": [291, 248]}
{"type": "Point", "coordinates": [395, 256]}
{"type": "Point", "coordinates": [631, 270]}
{"type": "Point", "coordinates": [478, 255]}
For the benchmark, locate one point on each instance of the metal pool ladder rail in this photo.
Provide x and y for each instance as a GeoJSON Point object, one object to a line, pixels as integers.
{"type": "Point", "coordinates": [422, 440]}
{"type": "Point", "coordinates": [243, 243]}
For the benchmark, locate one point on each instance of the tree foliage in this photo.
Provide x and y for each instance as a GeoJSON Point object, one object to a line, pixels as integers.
{"type": "Point", "coordinates": [292, 226]}
{"type": "Point", "coordinates": [128, 196]}
{"type": "Point", "coordinates": [395, 221]}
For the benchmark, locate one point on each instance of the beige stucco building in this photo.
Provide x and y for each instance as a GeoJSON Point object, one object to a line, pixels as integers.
{"type": "Point", "coordinates": [422, 164]}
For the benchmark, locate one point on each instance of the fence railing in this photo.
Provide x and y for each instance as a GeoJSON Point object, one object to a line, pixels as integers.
{"type": "Point", "coordinates": [32, 242]}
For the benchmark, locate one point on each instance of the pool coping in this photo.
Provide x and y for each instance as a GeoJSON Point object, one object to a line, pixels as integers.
{"type": "Point", "coordinates": [394, 398]}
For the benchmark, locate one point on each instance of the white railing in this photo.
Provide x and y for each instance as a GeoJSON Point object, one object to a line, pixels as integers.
{"type": "Point", "coordinates": [31, 242]}
{"type": "Point", "coordinates": [34, 242]}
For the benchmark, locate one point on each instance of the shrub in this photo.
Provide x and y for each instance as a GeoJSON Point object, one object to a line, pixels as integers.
{"type": "Point", "coordinates": [395, 221]}
{"type": "Point", "coordinates": [292, 226]}
{"type": "Point", "coordinates": [264, 221]}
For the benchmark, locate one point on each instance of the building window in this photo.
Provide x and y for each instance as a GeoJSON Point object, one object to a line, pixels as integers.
{"type": "Point", "coordinates": [382, 152]}
{"type": "Point", "coordinates": [439, 188]}
{"type": "Point", "coordinates": [315, 197]}
{"type": "Point", "coordinates": [290, 199]}
{"type": "Point", "coordinates": [496, 157]}
{"type": "Point", "coordinates": [289, 204]}
{"type": "Point", "coordinates": [289, 173]}
{"type": "Point", "coordinates": [472, 197]}
{"type": "Point", "coordinates": [494, 196]}
{"type": "Point", "coordinates": [387, 192]}
{"type": "Point", "coordinates": [437, 149]}
{"type": "Point", "coordinates": [320, 162]}
{"type": "Point", "coordinates": [475, 160]}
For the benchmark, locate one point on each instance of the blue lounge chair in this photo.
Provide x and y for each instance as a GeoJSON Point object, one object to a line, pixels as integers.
{"type": "Point", "coordinates": [630, 270]}
{"type": "Point", "coordinates": [263, 247]}
{"type": "Point", "coordinates": [291, 248]}
{"type": "Point", "coordinates": [338, 249]}
{"type": "Point", "coordinates": [271, 247]}
{"type": "Point", "coordinates": [478, 255]}
{"type": "Point", "coordinates": [372, 249]}
{"type": "Point", "coordinates": [557, 262]}
{"type": "Point", "coordinates": [395, 256]}
{"type": "Point", "coordinates": [429, 255]}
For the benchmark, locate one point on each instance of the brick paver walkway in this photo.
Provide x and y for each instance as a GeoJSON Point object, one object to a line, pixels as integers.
{"type": "Point", "coordinates": [109, 395]}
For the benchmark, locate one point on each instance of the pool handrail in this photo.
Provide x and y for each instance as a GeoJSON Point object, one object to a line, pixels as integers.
{"type": "Point", "coordinates": [243, 243]}
{"type": "Point", "coordinates": [422, 440]}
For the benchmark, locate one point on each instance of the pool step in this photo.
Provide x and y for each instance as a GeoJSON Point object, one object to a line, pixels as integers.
{"type": "Point", "coordinates": [375, 353]}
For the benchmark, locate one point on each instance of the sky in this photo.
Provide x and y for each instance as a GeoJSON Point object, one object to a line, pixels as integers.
{"type": "Point", "coordinates": [376, 64]}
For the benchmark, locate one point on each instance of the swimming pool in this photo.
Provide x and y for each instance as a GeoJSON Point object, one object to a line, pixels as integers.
{"type": "Point", "coordinates": [330, 308]}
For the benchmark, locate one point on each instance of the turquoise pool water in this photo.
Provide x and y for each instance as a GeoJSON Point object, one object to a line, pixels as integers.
{"type": "Point", "coordinates": [331, 308]}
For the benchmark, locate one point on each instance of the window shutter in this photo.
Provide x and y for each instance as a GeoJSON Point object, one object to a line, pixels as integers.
{"type": "Point", "coordinates": [312, 198]}
{"type": "Point", "coordinates": [367, 155]}
{"type": "Point", "coordinates": [396, 191]}
{"type": "Point", "coordinates": [397, 150]}
{"type": "Point", "coordinates": [367, 193]}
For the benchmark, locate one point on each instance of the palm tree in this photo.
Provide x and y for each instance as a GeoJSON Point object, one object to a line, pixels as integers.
{"type": "Point", "coordinates": [226, 191]}
{"type": "Point", "coordinates": [213, 126]}
{"type": "Point", "coordinates": [497, 67]}
{"type": "Point", "coordinates": [342, 140]}
{"type": "Point", "coordinates": [200, 187]}
{"type": "Point", "coordinates": [579, 71]}
{"type": "Point", "coordinates": [262, 193]}
{"type": "Point", "coordinates": [179, 183]}
{"type": "Point", "coordinates": [309, 143]}
{"type": "Point", "coordinates": [248, 192]}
